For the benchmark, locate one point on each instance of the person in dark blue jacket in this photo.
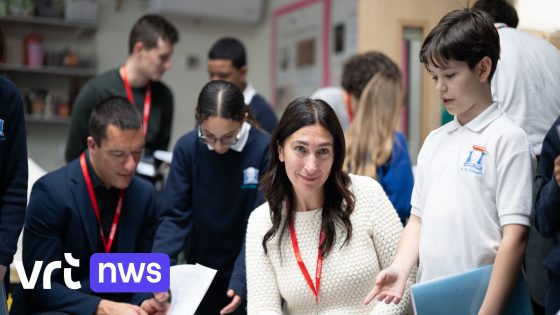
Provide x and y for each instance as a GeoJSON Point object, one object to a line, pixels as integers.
{"type": "Point", "coordinates": [227, 61]}
{"type": "Point", "coordinates": [13, 171]}
{"type": "Point", "coordinates": [94, 204]}
{"type": "Point", "coordinates": [547, 218]}
{"type": "Point", "coordinates": [211, 190]}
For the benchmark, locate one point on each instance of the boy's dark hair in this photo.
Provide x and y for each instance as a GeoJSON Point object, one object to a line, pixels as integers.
{"type": "Point", "coordinates": [360, 68]}
{"type": "Point", "coordinates": [464, 35]}
{"type": "Point", "coordinates": [229, 48]}
{"type": "Point", "coordinates": [116, 111]}
{"type": "Point", "coordinates": [148, 29]}
{"type": "Point", "coordinates": [500, 10]}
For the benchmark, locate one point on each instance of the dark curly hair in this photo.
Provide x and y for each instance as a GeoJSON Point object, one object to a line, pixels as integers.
{"type": "Point", "coordinates": [360, 68]}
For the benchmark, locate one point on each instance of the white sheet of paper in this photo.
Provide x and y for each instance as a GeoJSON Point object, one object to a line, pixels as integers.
{"type": "Point", "coordinates": [146, 169]}
{"type": "Point", "coordinates": [165, 156]}
{"type": "Point", "coordinates": [188, 286]}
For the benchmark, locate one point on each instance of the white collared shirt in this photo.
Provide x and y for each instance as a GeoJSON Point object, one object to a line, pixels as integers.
{"type": "Point", "coordinates": [471, 180]}
{"type": "Point", "coordinates": [526, 83]}
{"type": "Point", "coordinates": [249, 93]}
{"type": "Point", "coordinates": [243, 137]}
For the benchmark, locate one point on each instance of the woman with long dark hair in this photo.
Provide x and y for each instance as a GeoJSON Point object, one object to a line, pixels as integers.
{"type": "Point", "coordinates": [211, 190]}
{"type": "Point", "coordinates": [323, 236]}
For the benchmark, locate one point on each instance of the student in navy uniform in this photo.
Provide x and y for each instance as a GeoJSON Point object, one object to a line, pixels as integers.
{"type": "Point", "coordinates": [547, 219]}
{"type": "Point", "coordinates": [13, 171]}
{"type": "Point", "coordinates": [61, 218]}
{"type": "Point", "coordinates": [211, 190]}
{"type": "Point", "coordinates": [227, 61]}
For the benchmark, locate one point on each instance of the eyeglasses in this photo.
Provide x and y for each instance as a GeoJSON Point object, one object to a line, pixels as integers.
{"type": "Point", "coordinates": [211, 140]}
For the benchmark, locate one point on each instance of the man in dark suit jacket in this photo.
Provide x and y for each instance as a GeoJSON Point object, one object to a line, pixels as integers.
{"type": "Point", "coordinates": [227, 61]}
{"type": "Point", "coordinates": [547, 218]}
{"type": "Point", "coordinates": [62, 218]}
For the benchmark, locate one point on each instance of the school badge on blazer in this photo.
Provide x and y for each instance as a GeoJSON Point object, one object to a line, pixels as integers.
{"type": "Point", "coordinates": [2, 136]}
{"type": "Point", "coordinates": [250, 178]}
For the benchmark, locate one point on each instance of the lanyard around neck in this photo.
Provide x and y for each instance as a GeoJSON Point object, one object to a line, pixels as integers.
{"type": "Point", "coordinates": [147, 98]}
{"type": "Point", "coordinates": [318, 270]}
{"type": "Point", "coordinates": [106, 243]}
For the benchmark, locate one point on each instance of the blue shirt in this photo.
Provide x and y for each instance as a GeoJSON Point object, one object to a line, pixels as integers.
{"type": "Point", "coordinates": [395, 176]}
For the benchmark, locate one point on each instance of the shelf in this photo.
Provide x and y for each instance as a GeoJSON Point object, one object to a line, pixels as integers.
{"type": "Point", "coordinates": [37, 20]}
{"type": "Point", "coordinates": [67, 71]}
{"type": "Point", "coordinates": [36, 119]}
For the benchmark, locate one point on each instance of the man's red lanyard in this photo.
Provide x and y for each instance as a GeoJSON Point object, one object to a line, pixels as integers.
{"type": "Point", "coordinates": [314, 288]}
{"type": "Point", "coordinates": [147, 98]}
{"type": "Point", "coordinates": [106, 244]}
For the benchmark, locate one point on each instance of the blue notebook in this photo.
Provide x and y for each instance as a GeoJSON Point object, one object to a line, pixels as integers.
{"type": "Point", "coordinates": [462, 294]}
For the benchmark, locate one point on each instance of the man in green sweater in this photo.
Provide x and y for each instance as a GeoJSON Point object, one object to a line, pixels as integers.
{"type": "Point", "coordinates": [150, 47]}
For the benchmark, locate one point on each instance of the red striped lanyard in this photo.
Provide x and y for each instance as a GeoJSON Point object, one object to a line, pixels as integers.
{"type": "Point", "coordinates": [147, 98]}
{"type": "Point", "coordinates": [314, 288]}
{"type": "Point", "coordinates": [116, 218]}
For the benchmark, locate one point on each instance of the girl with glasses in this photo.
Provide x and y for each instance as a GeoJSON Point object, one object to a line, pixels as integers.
{"type": "Point", "coordinates": [211, 190]}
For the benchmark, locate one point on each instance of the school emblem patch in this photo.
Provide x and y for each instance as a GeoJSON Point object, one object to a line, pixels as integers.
{"type": "Point", "coordinates": [473, 163]}
{"type": "Point", "coordinates": [2, 136]}
{"type": "Point", "coordinates": [250, 178]}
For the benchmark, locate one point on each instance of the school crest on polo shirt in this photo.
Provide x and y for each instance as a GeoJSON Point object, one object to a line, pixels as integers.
{"type": "Point", "coordinates": [250, 178]}
{"type": "Point", "coordinates": [473, 162]}
{"type": "Point", "coordinates": [2, 136]}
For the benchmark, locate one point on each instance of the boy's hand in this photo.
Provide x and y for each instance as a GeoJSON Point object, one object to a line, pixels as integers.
{"type": "Point", "coordinates": [557, 170]}
{"type": "Point", "coordinates": [233, 305]}
{"type": "Point", "coordinates": [389, 286]}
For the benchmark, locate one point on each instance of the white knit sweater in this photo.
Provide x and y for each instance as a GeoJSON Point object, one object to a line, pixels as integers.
{"type": "Point", "coordinates": [348, 272]}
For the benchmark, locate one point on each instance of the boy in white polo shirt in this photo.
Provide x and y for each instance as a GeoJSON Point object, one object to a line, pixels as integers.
{"type": "Point", "coordinates": [472, 195]}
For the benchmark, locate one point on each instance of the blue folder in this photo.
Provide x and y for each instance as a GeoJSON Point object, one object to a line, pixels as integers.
{"type": "Point", "coordinates": [463, 294]}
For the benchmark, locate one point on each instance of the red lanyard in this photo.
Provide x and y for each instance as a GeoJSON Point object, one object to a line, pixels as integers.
{"type": "Point", "coordinates": [93, 200]}
{"type": "Point", "coordinates": [314, 289]}
{"type": "Point", "coordinates": [347, 99]}
{"type": "Point", "coordinates": [147, 98]}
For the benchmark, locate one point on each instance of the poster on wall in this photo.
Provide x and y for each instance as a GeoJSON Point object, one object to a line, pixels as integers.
{"type": "Point", "coordinates": [344, 36]}
{"type": "Point", "coordinates": [300, 47]}
{"type": "Point", "coordinates": [311, 40]}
